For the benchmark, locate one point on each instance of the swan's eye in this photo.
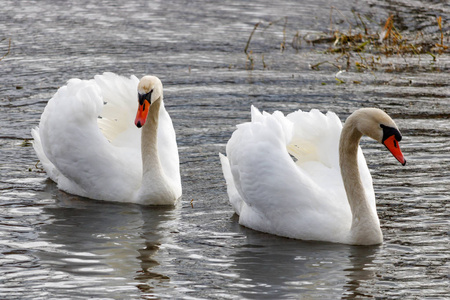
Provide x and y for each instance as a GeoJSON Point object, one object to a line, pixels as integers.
{"type": "Point", "coordinates": [148, 96]}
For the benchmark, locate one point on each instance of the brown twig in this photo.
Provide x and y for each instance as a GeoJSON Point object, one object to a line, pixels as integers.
{"type": "Point", "coordinates": [441, 46]}
{"type": "Point", "coordinates": [250, 37]}
{"type": "Point", "coordinates": [248, 53]}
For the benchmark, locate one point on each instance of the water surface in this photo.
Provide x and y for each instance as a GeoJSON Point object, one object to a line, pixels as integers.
{"type": "Point", "coordinates": [55, 245]}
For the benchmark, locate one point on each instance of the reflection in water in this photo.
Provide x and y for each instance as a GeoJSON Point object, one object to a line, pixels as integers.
{"type": "Point", "coordinates": [360, 270]}
{"type": "Point", "coordinates": [303, 268]}
{"type": "Point", "coordinates": [56, 246]}
{"type": "Point", "coordinates": [103, 244]}
{"type": "Point", "coordinates": [159, 222]}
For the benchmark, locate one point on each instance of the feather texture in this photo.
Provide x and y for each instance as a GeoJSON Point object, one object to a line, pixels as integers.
{"type": "Point", "coordinates": [88, 143]}
{"type": "Point", "coordinates": [283, 176]}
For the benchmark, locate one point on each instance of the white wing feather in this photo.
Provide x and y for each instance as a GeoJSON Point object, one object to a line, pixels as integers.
{"type": "Point", "coordinates": [305, 199]}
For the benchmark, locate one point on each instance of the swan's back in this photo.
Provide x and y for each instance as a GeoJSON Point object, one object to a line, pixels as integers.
{"type": "Point", "coordinates": [119, 95]}
{"type": "Point", "coordinates": [283, 175]}
{"type": "Point", "coordinates": [89, 145]}
{"type": "Point", "coordinates": [315, 137]}
{"type": "Point", "coordinates": [83, 160]}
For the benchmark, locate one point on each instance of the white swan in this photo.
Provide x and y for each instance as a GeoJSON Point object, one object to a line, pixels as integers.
{"type": "Point", "coordinates": [307, 199]}
{"type": "Point", "coordinates": [88, 144]}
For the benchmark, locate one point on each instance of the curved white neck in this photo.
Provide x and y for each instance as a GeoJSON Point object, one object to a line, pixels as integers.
{"type": "Point", "coordinates": [149, 141]}
{"type": "Point", "coordinates": [365, 224]}
{"type": "Point", "coordinates": [156, 187]}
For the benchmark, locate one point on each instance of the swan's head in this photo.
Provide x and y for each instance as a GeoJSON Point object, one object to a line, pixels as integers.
{"type": "Point", "coordinates": [376, 124]}
{"type": "Point", "coordinates": [149, 90]}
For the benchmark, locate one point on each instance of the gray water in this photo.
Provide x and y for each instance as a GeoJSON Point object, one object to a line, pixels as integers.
{"type": "Point", "coordinates": [58, 246]}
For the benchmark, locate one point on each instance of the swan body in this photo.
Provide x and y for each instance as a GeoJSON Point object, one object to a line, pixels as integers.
{"type": "Point", "coordinates": [89, 145]}
{"type": "Point", "coordinates": [304, 175]}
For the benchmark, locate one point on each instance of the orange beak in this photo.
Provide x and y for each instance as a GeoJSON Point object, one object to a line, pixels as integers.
{"type": "Point", "coordinates": [392, 144]}
{"type": "Point", "coordinates": [142, 113]}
